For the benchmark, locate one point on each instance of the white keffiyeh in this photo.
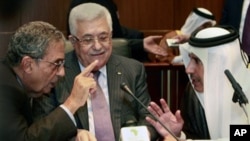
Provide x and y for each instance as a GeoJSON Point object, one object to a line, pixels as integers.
{"type": "Point", "coordinates": [219, 109]}
{"type": "Point", "coordinates": [195, 20]}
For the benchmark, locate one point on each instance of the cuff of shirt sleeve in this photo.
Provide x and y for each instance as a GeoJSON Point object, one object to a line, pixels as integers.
{"type": "Point", "coordinates": [69, 113]}
{"type": "Point", "coordinates": [183, 136]}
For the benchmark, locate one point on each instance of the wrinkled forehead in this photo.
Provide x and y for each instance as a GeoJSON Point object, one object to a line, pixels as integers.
{"type": "Point", "coordinates": [93, 27]}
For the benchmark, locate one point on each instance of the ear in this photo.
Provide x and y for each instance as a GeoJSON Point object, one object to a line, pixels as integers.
{"type": "Point", "coordinates": [71, 45]}
{"type": "Point", "coordinates": [207, 24]}
{"type": "Point", "coordinates": [27, 64]}
{"type": "Point", "coordinates": [72, 39]}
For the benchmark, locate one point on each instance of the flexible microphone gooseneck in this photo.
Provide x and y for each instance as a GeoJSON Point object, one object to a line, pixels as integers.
{"type": "Point", "coordinates": [126, 88]}
{"type": "Point", "coordinates": [238, 95]}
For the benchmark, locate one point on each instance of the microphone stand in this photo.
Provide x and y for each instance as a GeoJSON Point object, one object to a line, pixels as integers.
{"type": "Point", "coordinates": [242, 102]}
{"type": "Point", "coordinates": [238, 95]}
{"type": "Point", "coordinates": [125, 87]}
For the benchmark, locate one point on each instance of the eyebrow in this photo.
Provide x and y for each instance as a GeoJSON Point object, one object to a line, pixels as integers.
{"type": "Point", "coordinates": [91, 35]}
{"type": "Point", "coordinates": [57, 60]}
{"type": "Point", "coordinates": [192, 55]}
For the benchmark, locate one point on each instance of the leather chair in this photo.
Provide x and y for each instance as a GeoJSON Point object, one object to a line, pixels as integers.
{"type": "Point", "coordinates": [120, 47]}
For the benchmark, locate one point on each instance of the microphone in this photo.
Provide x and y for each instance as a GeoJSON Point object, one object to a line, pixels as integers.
{"type": "Point", "coordinates": [239, 95]}
{"type": "Point", "coordinates": [126, 88]}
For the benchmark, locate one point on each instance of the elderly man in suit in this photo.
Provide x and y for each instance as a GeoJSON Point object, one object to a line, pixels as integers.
{"type": "Point", "coordinates": [32, 66]}
{"type": "Point", "coordinates": [140, 46]}
{"type": "Point", "coordinates": [91, 34]}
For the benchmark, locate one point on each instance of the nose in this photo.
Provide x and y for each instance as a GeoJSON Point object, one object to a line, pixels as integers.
{"type": "Point", "coordinates": [97, 44]}
{"type": "Point", "coordinates": [190, 68]}
{"type": "Point", "coordinates": [61, 71]}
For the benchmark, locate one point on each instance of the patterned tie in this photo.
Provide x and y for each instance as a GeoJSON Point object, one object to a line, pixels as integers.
{"type": "Point", "coordinates": [246, 33]}
{"type": "Point", "coordinates": [102, 120]}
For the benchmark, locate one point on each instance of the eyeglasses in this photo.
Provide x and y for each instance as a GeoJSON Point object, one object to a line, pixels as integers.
{"type": "Point", "coordinates": [57, 65]}
{"type": "Point", "coordinates": [89, 40]}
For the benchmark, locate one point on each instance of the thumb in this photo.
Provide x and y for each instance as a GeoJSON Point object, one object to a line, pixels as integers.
{"type": "Point", "coordinates": [179, 117]}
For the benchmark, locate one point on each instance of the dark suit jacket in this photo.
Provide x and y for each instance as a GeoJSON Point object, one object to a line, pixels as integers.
{"type": "Point", "coordinates": [122, 106]}
{"type": "Point", "coordinates": [231, 14]}
{"type": "Point", "coordinates": [16, 123]}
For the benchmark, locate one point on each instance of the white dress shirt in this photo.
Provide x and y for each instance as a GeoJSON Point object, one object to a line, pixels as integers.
{"type": "Point", "coordinates": [102, 80]}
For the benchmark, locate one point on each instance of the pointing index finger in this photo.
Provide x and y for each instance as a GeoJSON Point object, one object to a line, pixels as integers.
{"type": "Point", "coordinates": [89, 68]}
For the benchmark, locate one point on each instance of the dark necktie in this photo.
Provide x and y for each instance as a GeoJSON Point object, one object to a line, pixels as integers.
{"type": "Point", "coordinates": [246, 33]}
{"type": "Point", "coordinates": [102, 119]}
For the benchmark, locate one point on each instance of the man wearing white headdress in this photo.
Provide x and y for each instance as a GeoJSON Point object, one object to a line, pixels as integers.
{"type": "Point", "coordinates": [208, 54]}
{"type": "Point", "coordinates": [198, 18]}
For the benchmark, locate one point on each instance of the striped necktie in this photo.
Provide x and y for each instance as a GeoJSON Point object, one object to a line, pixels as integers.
{"type": "Point", "coordinates": [101, 114]}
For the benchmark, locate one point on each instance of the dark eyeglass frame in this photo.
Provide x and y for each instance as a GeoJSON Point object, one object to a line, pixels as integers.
{"type": "Point", "coordinates": [57, 65]}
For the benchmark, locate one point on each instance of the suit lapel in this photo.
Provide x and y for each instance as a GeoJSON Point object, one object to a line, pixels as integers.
{"type": "Point", "coordinates": [115, 77]}
{"type": "Point", "coordinates": [72, 70]}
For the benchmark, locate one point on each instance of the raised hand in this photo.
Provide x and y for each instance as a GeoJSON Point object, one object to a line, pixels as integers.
{"type": "Point", "coordinates": [84, 85]}
{"type": "Point", "coordinates": [164, 114]}
{"type": "Point", "coordinates": [151, 46]}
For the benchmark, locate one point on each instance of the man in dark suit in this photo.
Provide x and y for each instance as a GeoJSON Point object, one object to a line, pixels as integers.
{"type": "Point", "coordinates": [136, 41]}
{"type": "Point", "coordinates": [234, 14]}
{"type": "Point", "coordinates": [32, 66]}
{"type": "Point", "coordinates": [119, 31]}
{"type": "Point", "coordinates": [231, 13]}
{"type": "Point", "coordinates": [91, 28]}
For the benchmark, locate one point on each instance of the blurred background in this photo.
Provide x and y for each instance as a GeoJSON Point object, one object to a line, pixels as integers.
{"type": "Point", "coordinates": [149, 16]}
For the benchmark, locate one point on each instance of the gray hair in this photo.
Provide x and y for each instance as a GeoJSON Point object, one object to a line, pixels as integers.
{"type": "Point", "coordinates": [87, 12]}
{"type": "Point", "coordinates": [31, 39]}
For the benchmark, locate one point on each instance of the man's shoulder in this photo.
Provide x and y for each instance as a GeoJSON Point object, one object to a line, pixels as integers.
{"type": "Point", "coordinates": [6, 74]}
{"type": "Point", "coordinates": [124, 60]}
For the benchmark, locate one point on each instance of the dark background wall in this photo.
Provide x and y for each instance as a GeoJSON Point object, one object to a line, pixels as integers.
{"type": "Point", "coordinates": [52, 11]}
{"type": "Point", "coordinates": [149, 16]}
{"type": "Point", "coordinates": [155, 16]}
